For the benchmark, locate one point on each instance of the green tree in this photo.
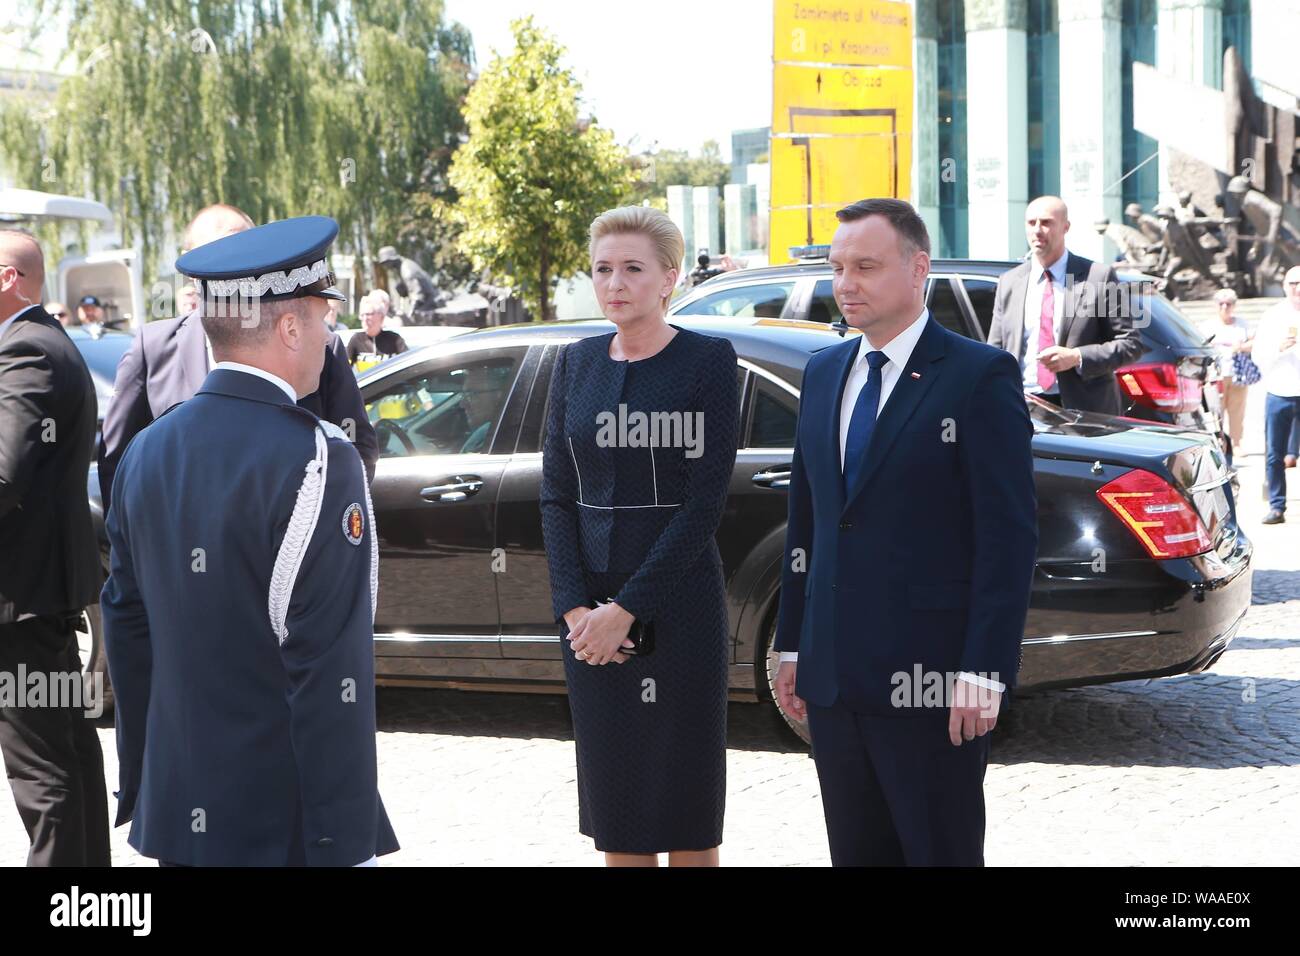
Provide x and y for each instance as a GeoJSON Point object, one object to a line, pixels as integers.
{"type": "Point", "coordinates": [677, 167]}
{"type": "Point", "coordinates": [532, 175]}
{"type": "Point", "coordinates": [281, 107]}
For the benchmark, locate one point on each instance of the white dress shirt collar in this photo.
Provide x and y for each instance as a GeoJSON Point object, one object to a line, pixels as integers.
{"type": "Point", "coordinates": [898, 351]}
{"type": "Point", "coordinates": [1057, 269]}
{"type": "Point", "coordinates": [900, 347]}
{"type": "Point", "coordinates": [4, 326]}
{"type": "Point", "coordinates": [259, 373]}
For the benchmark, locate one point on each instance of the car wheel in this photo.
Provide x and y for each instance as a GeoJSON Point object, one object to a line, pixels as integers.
{"type": "Point", "coordinates": [90, 648]}
{"type": "Point", "coordinates": [765, 668]}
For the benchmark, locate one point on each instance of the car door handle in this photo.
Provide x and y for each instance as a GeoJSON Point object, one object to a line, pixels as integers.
{"type": "Point", "coordinates": [456, 488]}
{"type": "Point", "coordinates": [775, 477]}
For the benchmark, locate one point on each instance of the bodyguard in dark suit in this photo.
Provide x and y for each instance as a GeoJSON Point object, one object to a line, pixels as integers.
{"type": "Point", "coordinates": [49, 570]}
{"type": "Point", "coordinates": [239, 610]}
{"type": "Point", "coordinates": [169, 360]}
{"type": "Point", "coordinates": [1066, 319]}
{"type": "Point", "coordinates": [909, 552]}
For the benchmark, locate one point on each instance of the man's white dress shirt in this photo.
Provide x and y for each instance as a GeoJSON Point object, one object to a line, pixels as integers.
{"type": "Point", "coordinates": [261, 373]}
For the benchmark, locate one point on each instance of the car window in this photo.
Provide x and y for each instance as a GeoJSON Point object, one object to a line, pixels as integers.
{"type": "Point", "coordinates": [1165, 324]}
{"type": "Point", "coordinates": [741, 375]}
{"type": "Point", "coordinates": [451, 407]}
{"type": "Point", "coordinates": [943, 306]}
{"type": "Point", "coordinates": [764, 301]}
{"type": "Point", "coordinates": [823, 307]}
{"type": "Point", "coordinates": [981, 293]}
{"type": "Point", "coordinates": [103, 353]}
{"type": "Point", "coordinates": [775, 416]}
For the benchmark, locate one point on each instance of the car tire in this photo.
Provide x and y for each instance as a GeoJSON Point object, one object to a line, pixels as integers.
{"type": "Point", "coordinates": [766, 662]}
{"type": "Point", "coordinates": [90, 648]}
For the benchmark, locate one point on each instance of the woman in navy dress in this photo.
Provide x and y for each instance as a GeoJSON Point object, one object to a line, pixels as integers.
{"type": "Point", "coordinates": [631, 502]}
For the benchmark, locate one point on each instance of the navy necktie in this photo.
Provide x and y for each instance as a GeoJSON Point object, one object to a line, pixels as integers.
{"type": "Point", "coordinates": [863, 422]}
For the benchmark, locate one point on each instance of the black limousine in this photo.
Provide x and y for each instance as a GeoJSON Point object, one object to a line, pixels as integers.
{"type": "Point", "coordinates": [1142, 569]}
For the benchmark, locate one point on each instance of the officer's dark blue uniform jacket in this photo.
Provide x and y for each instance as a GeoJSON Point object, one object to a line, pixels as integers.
{"type": "Point", "coordinates": [238, 620]}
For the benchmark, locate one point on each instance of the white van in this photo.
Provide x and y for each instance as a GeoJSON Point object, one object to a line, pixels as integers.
{"type": "Point", "coordinates": [113, 276]}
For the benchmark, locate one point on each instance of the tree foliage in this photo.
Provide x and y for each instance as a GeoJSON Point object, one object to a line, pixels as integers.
{"type": "Point", "coordinates": [532, 175]}
{"type": "Point", "coordinates": [677, 167]}
{"type": "Point", "coordinates": [348, 108]}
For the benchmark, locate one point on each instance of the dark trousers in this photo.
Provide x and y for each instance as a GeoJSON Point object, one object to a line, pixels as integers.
{"type": "Point", "coordinates": [895, 791]}
{"type": "Point", "coordinates": [1281, 413]}
{"type": "Point", "coordinates": [51, 754]}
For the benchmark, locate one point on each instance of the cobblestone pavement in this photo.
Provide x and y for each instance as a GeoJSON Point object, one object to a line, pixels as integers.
{"type": "Point", "coordinates": [1182, 770]}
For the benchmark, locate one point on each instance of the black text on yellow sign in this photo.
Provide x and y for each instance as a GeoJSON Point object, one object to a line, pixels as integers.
{"type": "Point", "coordinates": [849, 33]}
{"type": "Point", "coordinates": [838, 135]}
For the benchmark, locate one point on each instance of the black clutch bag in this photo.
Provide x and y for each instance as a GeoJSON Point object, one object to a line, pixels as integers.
{"type": "Point", "coordinates": [641, 634]}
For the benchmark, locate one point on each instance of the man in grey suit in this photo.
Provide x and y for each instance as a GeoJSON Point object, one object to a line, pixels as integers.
{"type": "Point", "coordinates": [1065, 318]}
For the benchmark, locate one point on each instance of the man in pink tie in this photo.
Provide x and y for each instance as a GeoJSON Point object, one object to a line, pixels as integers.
{"type": "Point", "coordinates": [1062, 316]}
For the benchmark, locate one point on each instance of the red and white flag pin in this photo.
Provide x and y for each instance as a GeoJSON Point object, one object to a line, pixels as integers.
{"type": "Point", "coordinates": [916, 375]}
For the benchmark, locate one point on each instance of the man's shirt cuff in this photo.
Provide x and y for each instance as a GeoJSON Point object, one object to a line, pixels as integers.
{"type": "Point", "coordinates": [983, 681]}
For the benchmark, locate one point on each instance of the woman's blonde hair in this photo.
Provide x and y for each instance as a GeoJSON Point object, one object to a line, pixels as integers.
{"type": "Point", "coordinates": [662, 232]}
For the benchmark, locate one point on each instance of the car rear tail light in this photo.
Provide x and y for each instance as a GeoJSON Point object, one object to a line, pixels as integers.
{"type": "Point", "coordinates": [1159, 386]}
{"type": "Point", "coordinates": [1157, 513]}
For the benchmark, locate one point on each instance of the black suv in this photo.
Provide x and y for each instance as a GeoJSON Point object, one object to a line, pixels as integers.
{"type": "Point", "coordinates": [1176, 380]}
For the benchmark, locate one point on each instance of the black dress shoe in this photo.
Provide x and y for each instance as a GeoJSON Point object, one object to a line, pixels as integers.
{"type": "Point", "coordinates": [1273, 517]}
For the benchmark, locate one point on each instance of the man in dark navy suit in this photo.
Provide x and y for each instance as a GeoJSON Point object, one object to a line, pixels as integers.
{"type": "Point", "coordinates": [169, 359]}
{"type": "Point", "coordinates": [239, 609]}
{"type": "Point", "coordinates": [910, 549]}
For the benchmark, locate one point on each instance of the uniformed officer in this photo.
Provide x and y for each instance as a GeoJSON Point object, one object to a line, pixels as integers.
{"type": "Point", "coordinates": [239, 610]}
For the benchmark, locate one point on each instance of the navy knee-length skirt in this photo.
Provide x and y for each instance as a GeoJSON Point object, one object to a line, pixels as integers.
{"type": "Point", "coordinates": [651, 733]}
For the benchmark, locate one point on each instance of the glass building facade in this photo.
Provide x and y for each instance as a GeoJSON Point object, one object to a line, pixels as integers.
{"type": "Point", "coordinates": [1043, 55]}
{"type": "Point", "coordinates": [1137, 45]}
{"type": "Point", "coordinates": [951, 57]}
{"type": "Point", "coordinates": [748, 146]}
{"type": "Point", "coordinates": [1236, 28]}
{"type": "Point", "coordinates": [1140, 165]}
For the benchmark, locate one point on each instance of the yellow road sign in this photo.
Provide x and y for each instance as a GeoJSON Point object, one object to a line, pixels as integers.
{"type": "Point", "coordinates": [839, 134]}
{"type": "Point", "coordinates": [837, 170]}
{"type": "Point", "coordinates": [802, 93]}
{"type": "Point", "coordinates": [846, 32]}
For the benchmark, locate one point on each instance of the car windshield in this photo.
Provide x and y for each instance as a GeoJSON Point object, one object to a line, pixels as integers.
{"type": "Point", "coordinates": [102, 353]}
{"type": "Point", "coordinates": [1046, 416]}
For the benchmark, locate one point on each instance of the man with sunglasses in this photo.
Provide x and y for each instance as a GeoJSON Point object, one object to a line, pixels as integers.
{"type": "Point", "coordinates": [57, 310]}
{"type": "Point", "coordinates": [49, 571]}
